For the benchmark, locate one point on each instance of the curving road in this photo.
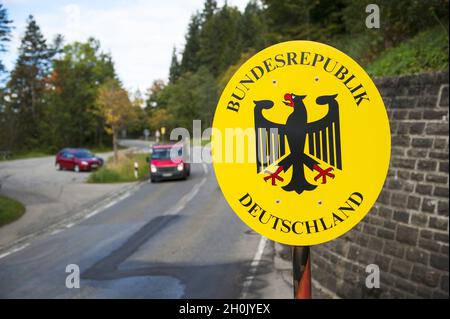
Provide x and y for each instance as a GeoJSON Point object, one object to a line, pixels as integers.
{"type": "Point", "coordinates": [174, 239]}
{"type": "Point", "coordinates": [49, 195]}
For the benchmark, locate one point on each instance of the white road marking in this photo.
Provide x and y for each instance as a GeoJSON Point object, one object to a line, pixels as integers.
{"type": "Point", "coordinates": [14, 250]}
{"type": "Point", "coordinates": [112, 203]}
{"type": "Point", "coordinates": [253, 267]}
{"type": "Point", "coordinates": [70, 223]}
{"type": "Point", "coordinates": [181, 204]}
{"type": "Point", "coordinates": [56, 231]}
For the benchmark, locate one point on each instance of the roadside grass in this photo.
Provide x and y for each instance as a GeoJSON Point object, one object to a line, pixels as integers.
{"type": "Point", "coordinates": [122, 171]}
{"type": "Point", "coordinates": [10, 210]}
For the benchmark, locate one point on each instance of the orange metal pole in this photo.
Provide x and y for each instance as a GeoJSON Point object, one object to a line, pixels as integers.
{"type": "Point", "coordinates": [301, 263]}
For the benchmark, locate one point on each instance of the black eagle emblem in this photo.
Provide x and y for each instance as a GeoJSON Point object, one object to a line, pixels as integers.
{"type": "Point", "coordinates": [323, 135]}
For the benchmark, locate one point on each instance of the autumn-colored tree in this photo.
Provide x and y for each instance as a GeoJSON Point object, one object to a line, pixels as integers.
{"type": "Point", "coordinates": [160, 117]}
{"type": "Point", "coordinates": [116, 108]}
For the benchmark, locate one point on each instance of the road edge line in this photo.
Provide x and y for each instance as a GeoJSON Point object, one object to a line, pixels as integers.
{"type": "Point", "coordinates": [68, 222]}
{"type": "Point", "coordinates": [253, 267]}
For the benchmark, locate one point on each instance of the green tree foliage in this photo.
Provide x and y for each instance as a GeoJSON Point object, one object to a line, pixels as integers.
{"type": "Point", "coordinates": [209, 9]}
{"type": "Point", "coordinates": [220, 39]}
{"type": "Point", "coordinates": [135, 128]}
{"type": "Point", "coordinates": [51, 97]}
{"type": "Point", "coordinates": [174, 70]}
{"type": "Point", "coordinates": [220, 43]}
{"type": "Point", "coordinates": [5, 32]}
{"type": "Point", "coordinates": [154, 95]}
{"type": "Point", "coordinates": [307, 19]}
{"type": "Point", "coordinates": [26, 88]}
{"type": "Point", "coordinates": [72, 117]}
{"type": "Point", "coordinates": [216, 38]}
{"type": "Point", "coordinates": [193, 96]}
{"type": "Point", "coordinates": [189, 61]}
{"type": "Point", "coordinates": [253, 27]}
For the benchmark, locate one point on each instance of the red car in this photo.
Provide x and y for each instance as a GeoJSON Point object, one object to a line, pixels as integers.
{"type": "Point", "coordinates": [168, 162]}
{"type": "Point", "coordinates": [77, 159]}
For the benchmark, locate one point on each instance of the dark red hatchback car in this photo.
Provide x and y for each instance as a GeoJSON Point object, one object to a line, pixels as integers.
{"type": "Point", "coordinates": [77, 159]}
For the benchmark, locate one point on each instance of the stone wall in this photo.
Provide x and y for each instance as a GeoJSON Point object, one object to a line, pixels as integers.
{"type": "Point", "coordinates": [406, 233]}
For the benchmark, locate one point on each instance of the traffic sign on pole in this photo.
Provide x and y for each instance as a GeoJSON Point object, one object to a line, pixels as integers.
{"type": "Point", "coordinates": [301, 143]}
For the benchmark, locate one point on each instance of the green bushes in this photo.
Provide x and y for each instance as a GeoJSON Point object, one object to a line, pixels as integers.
{"type": "Point", "coordinates": [122, 171]}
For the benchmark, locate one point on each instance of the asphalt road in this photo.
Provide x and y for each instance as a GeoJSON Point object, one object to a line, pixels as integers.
{"type": "Point", "coordinates": [176, 239]}
{"type": "Point", "coordinates": [49, 195]}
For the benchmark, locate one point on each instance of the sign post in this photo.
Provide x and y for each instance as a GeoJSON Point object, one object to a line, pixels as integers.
{"type": "Point", "coordinates": [301, 147]}
{"type": "Point", "coordinates": [163, 132]}
{"type": "Point", "coordinates": [301, 272]}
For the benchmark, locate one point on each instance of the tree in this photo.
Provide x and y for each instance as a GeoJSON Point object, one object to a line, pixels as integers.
{"type": "Point", "coordinates": [189, 60]}
{"type": "Point", "coordinates": [304, 20]}
{"type": "Point", "coordinates": [253, 27]}
{"type": "Point", "coordinates": [27, 85]}
{"type": "Point", "coordinates": [153, 94]}
{"type": "Point", "coordinates": [5, 32]}
{"type": "Point", "coordinates": [72, 118]}
{"type": "Point", "coordinates": [220, 43]}
{"type": "Point", "coordinates": [160, 118]}
{"type": "Point", "coordinates": [193, 96]}
{"type": "Point", "coordinates": [116, 108]}
{"type": "Point", "coordinates": [209, 9]}
{"type": "Point", "coordinates": [174, 70]}
{"type": "Point", "coordinates": [135, 128]}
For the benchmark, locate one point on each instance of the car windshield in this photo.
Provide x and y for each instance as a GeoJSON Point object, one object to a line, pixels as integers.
{"type": "Point", "coordinates": [163, 153]}
{"type": "Point", "coordinates": [83, 154]}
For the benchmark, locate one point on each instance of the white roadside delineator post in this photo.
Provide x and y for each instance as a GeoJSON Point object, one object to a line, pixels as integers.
{"type": "Point", "coordinates": [136, 170]}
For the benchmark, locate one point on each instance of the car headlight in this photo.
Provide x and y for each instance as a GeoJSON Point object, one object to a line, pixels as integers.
{"type": "Point", "coordinates": [84, 163]}
{"type": "Point", "coordinates": [180, 167]}
{"type": "Point", "coordinates": [153, 168]}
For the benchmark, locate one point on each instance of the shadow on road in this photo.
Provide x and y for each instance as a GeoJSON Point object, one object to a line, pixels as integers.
{"type": "Point", "coordinates": [198, 280]}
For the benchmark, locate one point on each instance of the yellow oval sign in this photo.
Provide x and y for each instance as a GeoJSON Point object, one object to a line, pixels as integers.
{"type": "Point", "coordinates": [301, 143]}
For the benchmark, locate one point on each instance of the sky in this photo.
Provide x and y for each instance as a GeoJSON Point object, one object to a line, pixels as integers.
{"type": "Point", "coordinates": [139, 34]}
